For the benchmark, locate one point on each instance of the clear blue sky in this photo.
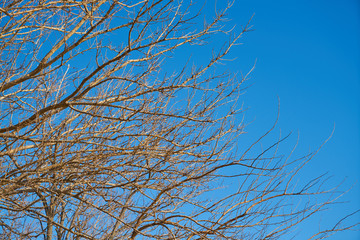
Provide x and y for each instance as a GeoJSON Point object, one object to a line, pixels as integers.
{"type": "Point", "coordinates": [307, 53]}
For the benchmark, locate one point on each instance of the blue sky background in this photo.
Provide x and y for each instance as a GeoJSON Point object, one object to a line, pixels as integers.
{"type": "Point", "coordinates": [307, 53]}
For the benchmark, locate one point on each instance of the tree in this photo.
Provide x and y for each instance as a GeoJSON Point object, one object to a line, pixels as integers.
{"type": "Point", "coordinates": [99, 141]}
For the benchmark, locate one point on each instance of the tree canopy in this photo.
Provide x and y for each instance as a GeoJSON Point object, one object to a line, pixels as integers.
{"type": "Point", "coordinates": [99, 140]}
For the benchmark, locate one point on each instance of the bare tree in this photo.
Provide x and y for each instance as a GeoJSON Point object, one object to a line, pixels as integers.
{"type": "Point", "coordinates": [98, 141]}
